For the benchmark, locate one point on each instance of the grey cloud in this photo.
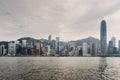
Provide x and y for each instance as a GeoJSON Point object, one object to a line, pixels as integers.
{"type": "Point", "coordinates": [37, 18]}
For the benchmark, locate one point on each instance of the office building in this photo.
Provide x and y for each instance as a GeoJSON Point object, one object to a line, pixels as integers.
{"type": "Point", "coordinates": [119, 46]}
{"type": "Point", "coordinates": [38, 48]}
{"type": "Point", "coordinates": [57, 44]}
{"type": "Point", "coordinates": [93, 49]}
{"type": "Point", "coordinates": [113, 39]}
{"type": "Point", "coordinates": [24, 43]}
{"type": "Point", "coordinates": [2, 50]}
{"type": "Point", "coordinates": [49, 38]}
{"type": "Point", "coordinates": [30, 47]}
{"type": "Point", "coordinates": [12, 48]}
{"type": "Point", "coordinates": [103, 38]}
{"type": "Point", "coordinates": [85, 49]}
{"type": "Point", "coordinates": [47, 50]}
{"type": "Point", "coordinates": [24, 47]}
{"type": "Point", "coordinates": [18, 47]}
{"type": "Point", "coordinates": [110, 47]}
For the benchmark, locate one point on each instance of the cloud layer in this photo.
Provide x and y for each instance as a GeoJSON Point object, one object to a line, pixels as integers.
{"type": "Point", "coordinates": [69, 19]}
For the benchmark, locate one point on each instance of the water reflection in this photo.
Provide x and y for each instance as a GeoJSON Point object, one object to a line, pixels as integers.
{"type": "Point", "coordinates": [74, 68]}
{"type": "Point", "coordinates": [102, 68]}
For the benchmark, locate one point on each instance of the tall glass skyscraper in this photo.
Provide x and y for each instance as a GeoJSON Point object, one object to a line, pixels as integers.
{"type": "Point", "coordinates": [103, 38]}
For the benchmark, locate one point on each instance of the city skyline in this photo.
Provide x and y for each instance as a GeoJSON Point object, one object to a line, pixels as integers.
{"type": "Point", "coordinates": [59, 39]}
{"type": "Point", "coordinates": [77, 19]}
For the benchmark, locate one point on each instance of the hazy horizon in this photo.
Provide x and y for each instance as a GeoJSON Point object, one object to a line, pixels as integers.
{"type": "Point", "coordinates": [68, 19]}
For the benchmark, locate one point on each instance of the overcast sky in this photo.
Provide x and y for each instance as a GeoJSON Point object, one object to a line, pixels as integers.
{"type": "Point", "coordinates": [68, 19]}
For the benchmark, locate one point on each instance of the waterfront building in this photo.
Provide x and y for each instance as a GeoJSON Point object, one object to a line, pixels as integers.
{"type": "Point", "coordinates": [47, 50]}
{"type": "Point", "coordinates": [113, 39]}
{"type": "Point", "coordinates": [93, 49]}
{"type": "Point", "coordinates": [12, 48]}
{"type": "Point", "coordinates": [65, 52]}
{"type": "Point", "coordinates": [85, 49]}
{"type": "Point", "coordinates": [103, 38]}
{"type": "Point", "coordinates": [49, 38]}
{"type": "Point", "coordinates": [38, 48]}
{"type": "Point", "coordinates": [30, 47]}
{"type": "Point", "coordinates": [53, 52]}
{"type": "Point", "coordinates": [53, 44]}
{"type": "Point", "coordinates": [72, 44]}
{"type": "Point", "coordinates": [24, 43]}
{"type": "Point", "coordinates": [76, 52]}
{"type": "Point", "coordinates": [57, 44]}
{"type": "Point", "coordinates": [119, 46]}
{"type": "Point", "coordinates": [18, 47]}
{"type": "Point", "coordinates": [24, 47]}
{"type": "Point", "coordinates": [2, 50]}
{"type": "Point", "coordinates": [110, 47]}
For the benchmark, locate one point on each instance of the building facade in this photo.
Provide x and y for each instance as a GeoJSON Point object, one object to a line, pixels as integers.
{"type": "Point", "coordinates": [57, 44]}
{"type": "Point", "coordinates": [85, 49]}
{"type": "Point", "coordinates": [12, 48]}
{"type": "Point", "coordinates": [103, 38]}
{"type": "Point", "coordinates": [119, 46]}
{"type": "Point", "coordinates": [2, 50]}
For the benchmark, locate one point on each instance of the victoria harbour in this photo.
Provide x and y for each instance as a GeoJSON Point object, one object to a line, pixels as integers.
{"type": "Point", "coordinates": [59, 68]}
{"type": "Point", "coordinates": [59, 39]}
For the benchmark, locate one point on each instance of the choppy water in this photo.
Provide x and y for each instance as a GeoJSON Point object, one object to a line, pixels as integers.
{"type": "Point", "coordinates": [59, 68]}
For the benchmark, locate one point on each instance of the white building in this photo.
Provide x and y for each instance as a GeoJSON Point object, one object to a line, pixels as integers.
{"type": "Point", "coordinates": [93, 49]}
{"type": "Point", "coordinates": [48, 53]}
{"type": "Point", "coordinates": [24, 43]}
{"type": "Point", "coordinates": [12, 49]}
{"type": "Point", "coordinates": [85, 49]}
{"type": "Point", "coordinates": [2, 50]}
{"type": "Point", "coordinates": [113, 39]}
{"type": "Point", "coordinates": [47, 50]}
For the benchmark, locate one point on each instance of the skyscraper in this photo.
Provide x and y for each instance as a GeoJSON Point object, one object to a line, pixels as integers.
{"type": "Point", "coordinates": [57, 44]}
{"type": "Point", "coordinates": [119, 46]}
{"type": "Point", "coordinates": [49, 38]}
{"type": "Point", "coordinates": [110, 47]}
{"type": "Point", "coordinates": [93, 49]}
{"type": "Point", "coordinates": [38, 47]}
{"type": "Point", "coordinates": [12, 48]}
{"type": "Point", "coordinates": [103, 38]}
{"type": "Point", "coordinates": [113, 39]}
{"type": "Point", "coordinates": [49, 41]}
{"type": "Point", "coordinates": [85, 49]}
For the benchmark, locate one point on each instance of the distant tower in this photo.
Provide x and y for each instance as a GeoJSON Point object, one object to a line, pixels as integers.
{"type": "Point", "coordinates": [49, 41]}
{"type": "Point", "coordinates": [49, 38]}
{"type": "Point", "coordinates": [110, 47]}
{"type": "Point", "coordinates": [38, 47]}
{"type": "Point", "coordinates": [113, 39]}
{"type": "Point", "coordinates": [119, 46]}
{"type": "Point", "coordinates": [85, 49]}
{"type": "Point", "coordinates": [103, 38]}
{"type": "Point", "coordinates": [93, 49]}
{"type": "Point", "coordinates": [57, 44]}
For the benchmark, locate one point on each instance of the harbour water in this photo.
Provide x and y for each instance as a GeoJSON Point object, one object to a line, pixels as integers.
{"type": "Point", "coordinates": [59, 68]}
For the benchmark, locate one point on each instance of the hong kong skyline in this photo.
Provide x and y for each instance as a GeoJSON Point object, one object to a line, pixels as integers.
{"type": "Point", "coordinates": [77, 18]}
